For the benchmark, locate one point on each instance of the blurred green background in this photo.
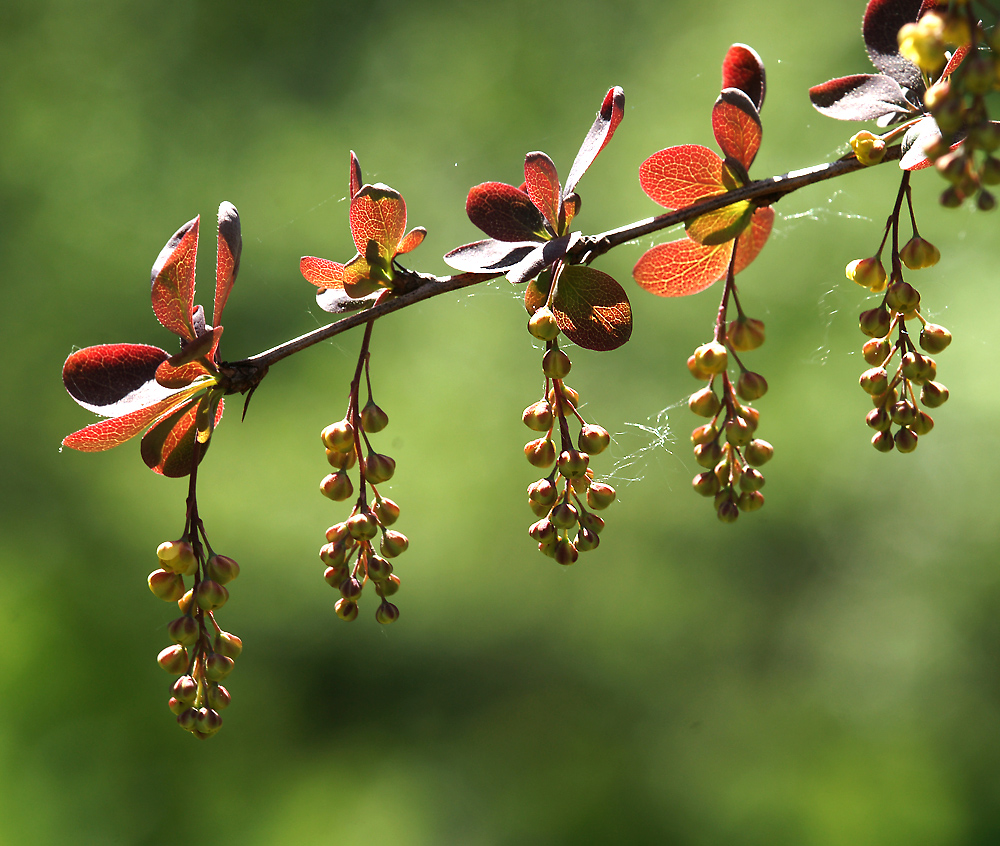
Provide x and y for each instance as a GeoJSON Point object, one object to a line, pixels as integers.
{"type": "Point", "coordinates": [824, 672]}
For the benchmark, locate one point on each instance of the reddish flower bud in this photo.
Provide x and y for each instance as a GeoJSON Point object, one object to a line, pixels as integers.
{"type": "Point", "coordinates": [178, 557]}
{"type": "Point", "coordinates": [758, 453]}
{"type": "Point", "coordinates": [166, 585]}
{"type": "Point", "coordinates": [934, 338]}
{"type": "Point", "coordinates": [751, 386]}
{"type": "Point", "coordinates": [573, 463]}
{"type": "Point", "coordinates": [222, 569]}
{"type": "Point", "coordinates": [210, 595]}
{"type": "Point", "coordinates": [386, 511]}
{"type": "Point", "coordinates": [217, 666]}
{"type": "Point", "coordinates": [183, 630]}
{"type": "Point", "coordinates": [379, 468]}
{"type": "Point", "coordinates": [906, 440]}
{"type": "Point", "coordinates": [705, 484]}
{"type": "Point", "coordinates": [705, 403]}
{"type": "Point", "coordinates": [566, 552]}
{"type": "Point", "coordinates": [556, 364]}
{"type": "Point", "coordinates": [933, 394]}
{"type": "Point", "coordinates": [538, 417]}
{"type": "Point", "coordinates": [373, 418]}
{"type": "Point", "coordinates": [346, 609]}
{"type": "Point", "coordinates": [394, 543]}
{"type": "Point", "coordinates": [337, 486]}
{"type": "Point", "coordinates": [876, 351]}
{"type": "Point", "coordinates": [386, 613]}
{"type": "Point", "coordinates": [540, 452]}
{"type": "Point", "coordinates": [745, 334]}
{"type": "Point", "coordinates": [875, 322]}
{"type": "Point", "coordinates": [563, 515]}
{"type": "Point", "coordinates": [362, 526]}
{"type": "Point", "coordinates": [339, 436]}
{"type": "Point", "coordinates": [593, 439]}
{"type": "Point", "coordinates": [600, 496]}
{"type": "Point", "coordinates": [173, 659]}
{"type": "Point", "coordinates": [228, 644]}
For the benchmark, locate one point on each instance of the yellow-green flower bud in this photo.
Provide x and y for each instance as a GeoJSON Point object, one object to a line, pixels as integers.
{"type": "Point", "coordinates": [868, 273]}
{"type": "Point", "coordinates": [166, 585]}
{"type": "Point", "coordinates": [711, 357]}
{"type": "Point", "coordinates": [918, 253]}
{"type": "Point", "coordinates": [338, 436]}
{"type": "Point", "coordinates": [556, 364]}
{"type": "Point", "coordinates": [745, 334]}
{"type": "Point", "coordinates": [337, 486]}
{"type": "Point", "coordinates": [540, 452]}
{"type": "Point", "coordinates": [934, 338]}
{"type": "Point", "coordinates": [542, 324]}
{"type": "Point", "coordinates": [173, 659]}
{"type": "Point", "coordinates": [373, 418]}
{"type": "Point", "coordinates": [538, 416]}
{"type": "Point", "coordinates": [868, 148]}
{"type": "Point", "coordinates": [705, 403]}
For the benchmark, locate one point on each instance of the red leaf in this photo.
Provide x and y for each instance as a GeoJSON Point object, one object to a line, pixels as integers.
{"type": "Point", "coordinates": [357, 278]}
{"type": "Point", "coordinates": [752, 241]}
{"type": "Point", "coordinates": [592, 309]}
{"type": "Point", "coordinates": [679, 176]}
{"type": "Point", "coordinates": [882, 22]}
{"type": "Point", "coordinates": [737, 126]}
{"type": "Point", "coordinates": [413, 239]}
{"type": "Point", "coordinates": [227, 263]}
{"type": "Point", "coordinates": [106, 434]}
{"type": "Point", "coordinates": [173, 281]}
{"type": "Point", "coordinates": [542, 184]}
{"type": "Point", "coordinates": [489, 256]}
{"type": "Point", "coordinates": [323, 273]}
{"type": "Point", "coordinates": [378, 214]}
{"type": "Point", "coordinates": [355, 182]}
{"type": "Point", "coordinates": [863, 96]}
{"type": "Point", "coordinates": [683, 267]}
{"type": "Point", "coordinates": [505, 213]}
{"type": "Point", "coordinates": [168, 447]}
{"type": "Point", "coordinates": [112, 379]}
{"type": "Point", "coordinates": [604, 126]}
{"type": "Point", "coordinates": [742, 68]}
{"type": "Point", "coordinates": [192, 362]}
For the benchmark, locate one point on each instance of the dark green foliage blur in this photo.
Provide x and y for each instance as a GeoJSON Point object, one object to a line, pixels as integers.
{"type": "Point", "coordinates": [825, 672]}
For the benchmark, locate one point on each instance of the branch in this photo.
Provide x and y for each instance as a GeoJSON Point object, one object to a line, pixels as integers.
{"type": "Point", "coordinates": [246, 374]}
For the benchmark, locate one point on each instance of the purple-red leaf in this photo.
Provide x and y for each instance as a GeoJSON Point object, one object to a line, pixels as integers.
{"type": "Point", "coordinates": [322, 272]}
{"type": "Point", "coordinates": [913, 144]}
{"type": "Point", "coordinates": [592, 309]}
{"type": "Point", "coordinates": [752, 241]}
{"type": "Point", "coordinates": [378, 214]}
{"type": "Point", "coordinates": [489, 256]}
{"type": "Point", "coordinates": [542, 185]}
{"type": "Point", "coordinates": [863, 96]}
{"type": "Point", "coordinates": [679, 176]}
{"type": "Point", "coordinates": [113, 379]}
{"type": "Point", "coordinates": [541, 257]}
{"type": "Point", "coordinates": [173, 281]}
{"type": "Point", "coordinates": [736, 125]}
{"type": "Point", "coordinates": [611, 114]}
{"type": "Point", "coordinates": [192, 362]}
{"type": "Point", "coordinates": [882, 22]}
{"type": "Point", "coordinates": [168, 447]}
{"type": "Point", "coordinates": [227, 263]}
{"type": "Point", "coordinates": [337, 301]}
{"type": "Point", "coordinates": [504, 212]}
{"type": "Point", "coordinates": [355, 182]}
{"type": "Point", "coordinates": [742, 68]}
{"type": "Point", "coordinates": [106, 434]}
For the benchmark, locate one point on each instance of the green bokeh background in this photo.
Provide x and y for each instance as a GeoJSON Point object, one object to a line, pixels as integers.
{"type": "Point", "coordinates": [824, 672]}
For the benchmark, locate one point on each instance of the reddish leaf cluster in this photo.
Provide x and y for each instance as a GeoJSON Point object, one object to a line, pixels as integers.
{"type": "Point", "coordinates": [378, 223]}
{"type": "Point", "coordinates": [530, 236]}
{"type": "Point", "coordinates": [678, 177]}
{"type": "Point", "coordinates": [894, 94]}
{"type": "Point", "coordinates": [178, 397]}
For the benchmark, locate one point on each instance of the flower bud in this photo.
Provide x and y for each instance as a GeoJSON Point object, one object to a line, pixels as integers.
{"type": "Point", "coordinates": [210, 595]}
{"type": "Point", "coordinates": [222, 569]}
{"type": "Point", "coordinates": [540, 452]}
{"type": "Point", "coordinates": [543, 492]}
{"type": "Point", "coordinates": [918, 253]}
{"type": "Point", "coordinates": [218, 697]}
{"type": "Point", "coordinates": [543, 531]}
{"type": "Point", "coordinates": [727, 511]}
{"type": "Point", "coordinates": [708, 454]}
{"type": "Point", "coordinates": [591, 522]}
{"type": "Point", "coordinates": [705, 403]}
{"type": "Point", "coordinates": [906, 440]}
{"type": "Point", "coordinates": [918, 368]}
{"type": "Point", "coordinates": [563, 515]}
{"type": "Point", "coordinates": [185, 689]}
{"type": "Point", "coordinates": [207, 721]}
{"type": "Point", "coordinates": [751, 386]}
{"type": "Point", "coordinates": [902, 296]}
{"type": "Point", "coordinates": [745, 334]}
{"type": "Point", "coordinates": [362, 526]}
{"type": "Point", "coordinates": [868, 148]}
{"type": "Point", "coordinates": [711, 357]}
{"type": "Point", "coordinates": [390, 585]}
{"type": "Point", "coordinates": [933, 394]}
{"type": "Point", "coordinates": [394, 543]}
{"type": "Point", "coordinates": [186, 719]}
{"type": "Point", "coordinates": [538, 417]}
{"type": "Point", "coordinates": [339, 436]}
{"type": "Point", "coordinates": [176, 706]}
{"type": "Point", "coordinates": [750, 501]}
{"type": "Point", "coordinates": [228, 644]}
{"type": "Point", "coordinates": [874, 381]}
{"type": "Point", "coordinates": [883, 441]}
{"type": "Point", "coordinates": [876, 351]}
{"type": "Point", "coordinates": [217, 666]}
{"type": "Point", "coordinates": [923, 423]}
{"type": "Point", "coordinates": [178, 557]}
{"type": "Point", "coordinates": [351, 588]}
{"type": "Point", "coordinates": [386, 613]}
{"type": "Point", "coordinates": [593, 439]}
{"type": "Point", "coordinates": [556, 364]}
{"type": "Point", "coordinates": [542, 324]}
{"type": "Point", "coordinates": [875, 322]}
{"type": "Point", "coordinates": [751, 480]}
{"type": "Point", "coordinates": [337, 486]}
{"type": "Point", "coordinates": [346, 609]}
{"type": "Point", "coordinates": [706, 484]}
{"type": "Point", "coordinates": [697, 370]}
{"type": "Point", "coordinates": [758, 453]}
{"type": "Point", "coordinates": [738, 432]}
{"type": "Point", "coordinates": [934, 338]}
{"type": "Point", "coordinates": [166, 585]}
{"type": "Point", "coordinates": [186, 602]}
{"type": "Point", "coordinates": [569, 395]}
{"type": "Point", "coordinates": [600, 496]}
{"type": "Point", "coordinates": [173, 659]}
{"type": "Point", "coordinates": [373, 418]}
{"type": "Point", "coordinates": [183, 630]}
{"type": "Point", "coordinates": [879, 419]}
{"type": "Point", "coordinates": [379, 568]}
{"type": "Point", "coordinates": [586, 540]}
{"type": "Point", "coordinates": [386, 511]}
{"type": "Point", "coordinates": [342, 460]}
{"type": "Point", "coordinates": [868, 273]}
{"type": "Point", "coordinates": [334, 576]}
{"type": "Point", "coordinates": [704, 434]}
{"type": "Point", "coordinates": [903, 413]}
{"type": "Point", "coordinates": [573, 463]}
{"type": "Point", "coordinates": [379, 468]}
{"type": "Point", "coordinates": [566, 552]}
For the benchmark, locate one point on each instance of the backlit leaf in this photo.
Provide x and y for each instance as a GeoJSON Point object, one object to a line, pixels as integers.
{"type": "Point", "coordinates": [323, 273]}
{"type": "Point", "coordinates": [489, 256]}
{"type": "Point", "coordinates": [113, 379]}
{"type": "Point", "coordinates": [227, 263]}
{"type": "Point", "coordinates": [173, 281]}
{"type": "Point", "coordinates": [355, 181]}
{"type": "Point", "coordinates": [736, 125]}
{"type": "Point", "coordinates": [378, 214]}
{"type": "Point", "coordinates": [336, 301]}
{"type": "Point", "coordinates": [679, 176]}
{"type": "Point", "coordinates": [542, 185]}
{"type": "Point", "coordinates": [167, 448]}
{"type": "Point", "coordinates": [742, 68]}
{"type": "Point", "coordinates": [610, 115]}
{"type": "Point", "coordinates": [752, 241]}
{"type": "Point", "coordinates": [592, 309]}
{"type": "Point", "coordinates": [357, 281]}
{"type": "Point", "coordinates": [192, 362]}
{"type": "Point", "coordinates": [863, 96]}
{"type": "Point", "coordinates": [504, 212]}
{"type": "Point", "coordinates": [683, 267]}
{"type": "Point", "coordinates": [413, 239]}
{"type": "Point", "coordinates": [106, 434]}
{"type": "Point", "coordinates": [545, 255]}
{"type": "Point", "coordinates": [720, 225]}
{"type": "Point", "coordinates": [880, 28]}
